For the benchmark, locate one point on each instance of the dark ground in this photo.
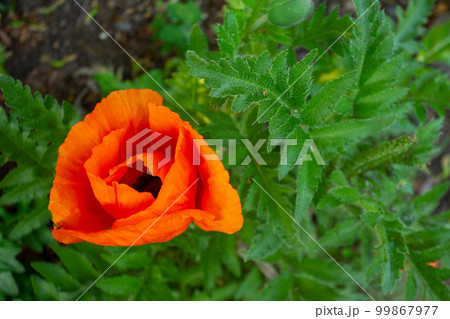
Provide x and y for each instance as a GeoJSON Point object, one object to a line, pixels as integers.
{"type": "Point", "coordinates": [67, 34]}
{"type": "Point", "coordinates": [53, 47]}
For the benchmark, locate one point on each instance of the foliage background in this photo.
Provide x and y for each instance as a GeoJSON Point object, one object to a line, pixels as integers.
{"type": "Point", "coordinates": [376, 105]}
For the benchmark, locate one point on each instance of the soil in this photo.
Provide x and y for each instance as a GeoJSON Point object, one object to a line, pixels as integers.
{"type": "Point", "coordinates": [38, 34]}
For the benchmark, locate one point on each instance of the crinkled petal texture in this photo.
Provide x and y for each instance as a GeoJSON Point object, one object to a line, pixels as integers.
{"type": "Point", "coordinates": [97, 194]}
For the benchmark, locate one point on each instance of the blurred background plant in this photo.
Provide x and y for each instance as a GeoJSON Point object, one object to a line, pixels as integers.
{"type": "Point", "coordinates": [376, 104]}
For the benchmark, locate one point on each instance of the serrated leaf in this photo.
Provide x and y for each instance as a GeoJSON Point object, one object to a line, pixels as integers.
{"type": "Point", "coordinates": [381, 154]}
{"type": "Point", "coordinates": [343, 233]}
{"type": "Point", "coordinates": [393, 252]}
{"type": "Point", "coordinates": [282, 223]}
{"type": "Point", "coordinates": [323, 103]}
{"type": "Point", "coordinates": [349, 131]}
{"type": "Point", "coordinates": [251, 81]}
{"type": "Point", "coordinates": [308, 178]}
{"type": "Point", "coordinates": [370, 105]}
{"type": "Point", "coordinates": [250, 202]}
{"type": "Point", "coordinates": [300, 80]}
{"type": "Point", "coordinates": [388, 72]}
{"type": "Point", "coordinates": [294, 154]}
{"type": "Point", "coordinates": [56, 275]}
{"type": "Point", "coordinates": [229, 35]}
{"type": "Point", "coordinates": [42, 115]}
{"type": "Point", "coordinates": [265, 244]}
{"type": "Point", "coordinates": [197, 40]}
{"type": "Point", "coordinates": [430, 278]}
{"type": "Point", "coordinates": [338, 178]}
{"type": "Point", "coordinates": [38, 217]}
{"type": "Point", "coordinates": [27, 191]}
{"type": "Point", "coordinates": [76, 263]}
{"type": "Point", "coordinates": [411, 21]}
{"type": "Point", "coordinates": [348, 195]}
{"type": "Point", "coordinates": [319, 32]}
{"type": "Point", "coordinates": [19, 147]}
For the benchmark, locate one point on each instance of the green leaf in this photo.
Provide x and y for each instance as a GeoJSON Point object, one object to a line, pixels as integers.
{"type": "Point", "coordinates": [198, 41]}
{"type": "Point", "coordinates": [393, 253]}
{"type": "Point", "coordinates": [262, 81]}
{"type": "Point", "coordinates": [371, 104]}
{"type": "Point", "coordinates": [250, 286]}
{"type": "Point", "coordinates": [8, 285]}
{"type": "Point", "coordinates": [282, 223]}
{"type": "Point", "coordinates": [43, 289]}
{"type": "Point", "coordinates": [387, 72]}
{"type": "Point", "coordinates": [76, 263]}
{"type": "Point", "coordinates": [265, 244]}
{"type": "Point", "coordinates": [381, 154]}
{"type": "Point", "coordinates": [276, 289]}
{"type": "Point", "coordinates": [43, 116]}
{"type": "Point", "coordinates": [319, 32]}
{"type": "Point", "coordinates": [27, 191]}
{"type": "Point", "coordinates": [308, 178]}
{"type": "Point", "coordinates": [322, 104]}
{"type": "Point", "coordinates": [227, 247]}
{"type": "Point", "coordinates": [338, 178]}
{"type": "Point", "coordinates": [38, 217]}
{"type": "Point", "coordinates": [19, 147]}
{"type": "Point", "coordinates": [349, 131]}
{"type": "Point", "coordinates": [425, 204]}
{"type": "Point", "coordinates": [348, 195]}
{"type": "Point", "coordinates": [411, 286]}
{"type": "Point", "coordinates": [313, 289]}
{"type": "Point", "coordinates": [56, 275]}
{"type": "Point", "coordinates": [229, 37]}
{"type": "Point", "coordinates": [411, 21]}
{"type": "Point", "coordinates": [437, 45]}
{"type": "Point", "coordinates": [429, 89]}
{"type": "Point", "coordinates": [426, 137]}
{"type": "Point", "coordinates": [430, 278]}
{"type": "Point", "coordinates": [8, 262]}
{"type": "Point", "coordinates": [211, 267]}
{"type": "Point", "coordinates": [134, 260]}
{"type": "Point", "coordinates": [121, 285]}
{"type": "Point", "coordinates": [343, 233]}
{"type": "Point", "coordinates": [289, 159]}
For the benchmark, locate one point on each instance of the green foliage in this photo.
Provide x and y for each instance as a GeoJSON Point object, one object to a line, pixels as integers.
{"type": "Point", "coordinates": [436, 44]}
{"type": "Point", "coordinates": [365, 113]}
{"type": "Point", "coordinates": [411, 21]}
{"type": "Point", "coordinates": [173, 23]}
{"type": "Point", "coordinates": [356, 121]}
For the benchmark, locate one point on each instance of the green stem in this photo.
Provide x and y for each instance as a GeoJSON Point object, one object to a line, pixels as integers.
{"type": "Point", "coordinates": [253, 18]}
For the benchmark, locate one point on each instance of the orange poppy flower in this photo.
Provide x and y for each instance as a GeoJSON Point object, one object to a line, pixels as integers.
{"type": "Point", "coordinates": [101, 196]}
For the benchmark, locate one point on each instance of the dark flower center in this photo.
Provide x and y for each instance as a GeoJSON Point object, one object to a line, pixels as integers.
{"type": "Point", "coordinates": [148, 183]}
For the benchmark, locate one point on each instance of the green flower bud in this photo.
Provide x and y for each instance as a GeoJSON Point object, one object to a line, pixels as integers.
{"type": "Point", "coordinates": [284, 13]}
